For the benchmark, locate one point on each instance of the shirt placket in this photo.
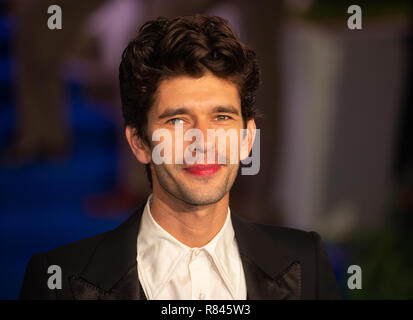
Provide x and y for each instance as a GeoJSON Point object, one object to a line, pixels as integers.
{"type": "Point", "coordinates": [199, 269]}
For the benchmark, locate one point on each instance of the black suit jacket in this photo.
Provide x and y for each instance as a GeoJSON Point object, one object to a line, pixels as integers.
{"type": "Point", "coordinates": [279, 263]}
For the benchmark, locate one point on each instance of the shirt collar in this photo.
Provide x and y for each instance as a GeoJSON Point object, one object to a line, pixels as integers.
{"type": "Point", "coordinates": [158, 253]}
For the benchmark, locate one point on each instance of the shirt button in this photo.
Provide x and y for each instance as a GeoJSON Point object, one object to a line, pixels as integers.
{"type": "Point", "coordinates": [202, 296]}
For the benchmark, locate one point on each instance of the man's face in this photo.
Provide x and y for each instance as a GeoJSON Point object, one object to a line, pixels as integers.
{"type": "Point", "coordinates": [196, 103]}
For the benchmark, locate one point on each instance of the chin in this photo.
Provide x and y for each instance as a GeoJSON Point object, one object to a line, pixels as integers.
{"type": "Point", "coordinates": [202, 197]}
{"type": "Point", "coordinates": [199, 192]}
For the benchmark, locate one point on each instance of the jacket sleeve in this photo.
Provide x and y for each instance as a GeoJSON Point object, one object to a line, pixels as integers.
{"type": "Point", "coordinates": [326, 283]}
{"type": "Point", "coordinates": [35, 281]}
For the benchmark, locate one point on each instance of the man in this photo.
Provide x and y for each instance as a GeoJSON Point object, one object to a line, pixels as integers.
{"type": "Point", "coordinates": [187, 73]}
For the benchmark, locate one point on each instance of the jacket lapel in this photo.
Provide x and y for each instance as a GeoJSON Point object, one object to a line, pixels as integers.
{"type": "Point", "coordinates": [112, 273]}
{"type": "Point", "coordinates": [270, 272]}
{"type": "Point", "coordinates": [128, 288]}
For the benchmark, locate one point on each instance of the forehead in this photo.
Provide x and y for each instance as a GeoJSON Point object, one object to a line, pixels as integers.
{"type": "Point", "coordinates": [197, 94]}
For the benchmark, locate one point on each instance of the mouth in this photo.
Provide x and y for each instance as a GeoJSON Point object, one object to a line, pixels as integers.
{"type": "Point", "coordinates": [203, 170]}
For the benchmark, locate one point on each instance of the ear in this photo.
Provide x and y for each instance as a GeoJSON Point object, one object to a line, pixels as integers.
{"type": "Point", "coordinates": [248, 140]}
{"type": "Point", "coordinates": [139, 148]}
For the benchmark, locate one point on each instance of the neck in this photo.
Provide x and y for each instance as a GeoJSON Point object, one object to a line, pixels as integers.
{"type": "Point", "coordinates": [193, 226]}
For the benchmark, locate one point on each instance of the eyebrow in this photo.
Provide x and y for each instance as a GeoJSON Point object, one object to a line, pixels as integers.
{"type": "Point", "coordinates": [173, 112]}
{"type": "Point", "coordinates": [183, 110]}
{"type": "Point", "coordinates": [226, 109]}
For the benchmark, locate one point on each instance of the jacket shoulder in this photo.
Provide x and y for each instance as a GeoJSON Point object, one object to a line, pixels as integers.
{"type": "Point", "coordinates": [77, 252]}
{"type": "Point", "coordinates": [318, 280]}
{"type": "Point", "coordinates": [75, 255]}
{"type": "Point", "coordinates": [70, 258]}
{"type": "Point", "coordinates": [73, 259]}
{"type": "Point", "coordinates": [294, 240]}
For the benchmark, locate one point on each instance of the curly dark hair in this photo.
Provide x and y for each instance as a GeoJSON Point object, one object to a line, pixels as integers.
{"type": "Point", "coordinates": [192, 46]}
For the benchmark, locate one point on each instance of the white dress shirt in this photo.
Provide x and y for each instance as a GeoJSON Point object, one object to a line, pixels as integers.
{"type": "Point", "coordinates": [170, 270]}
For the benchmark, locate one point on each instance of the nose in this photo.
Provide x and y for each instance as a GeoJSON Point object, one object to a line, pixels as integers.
{"type": "Point", "coordinates": [203, 143]}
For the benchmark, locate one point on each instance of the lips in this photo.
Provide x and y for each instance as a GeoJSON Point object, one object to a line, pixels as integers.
{"type": "Point", "coordinates": [203, 170]}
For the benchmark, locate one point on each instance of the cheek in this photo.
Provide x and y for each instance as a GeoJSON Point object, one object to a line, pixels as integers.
{"type": "Point", "coordinates": [231, 149]}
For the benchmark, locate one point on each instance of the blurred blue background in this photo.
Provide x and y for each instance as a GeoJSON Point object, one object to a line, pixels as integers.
{"type": "Point", "coordinates": [41, 203]}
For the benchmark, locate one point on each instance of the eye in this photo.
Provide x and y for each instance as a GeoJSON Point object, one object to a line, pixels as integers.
{"type": "Point", "coordinates": [176, 121]}
{"type": "Point", "coordinates": [222, 117]}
